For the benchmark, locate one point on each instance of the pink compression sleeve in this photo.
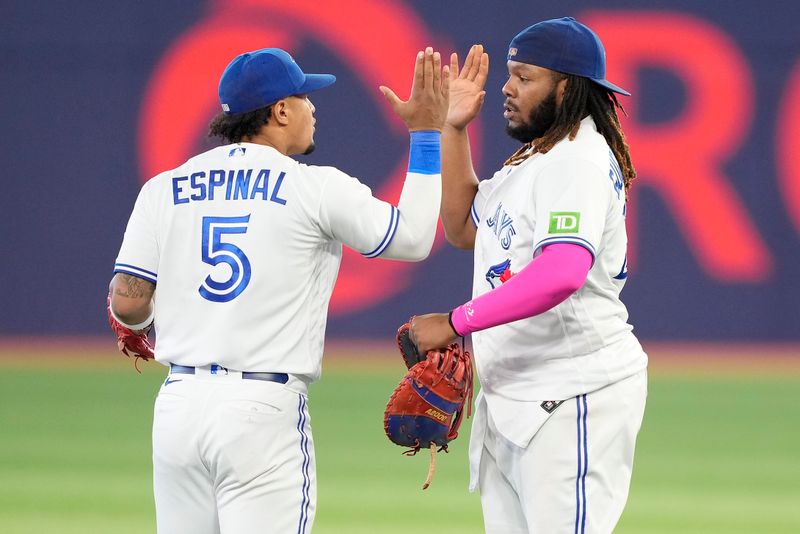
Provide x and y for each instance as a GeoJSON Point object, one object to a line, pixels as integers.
{"type": "Point", "coordinates": [558, 272]}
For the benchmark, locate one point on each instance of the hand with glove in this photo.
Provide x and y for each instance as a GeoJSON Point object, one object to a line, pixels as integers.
{"type": "Point", "coordinates": [432, 331]}
{"type": "Point", "coordinates": [131, 342]}
{"type": "Point", "coordinates": [426, 408]}
{"type": "Point", "coordinates": [132, 338]}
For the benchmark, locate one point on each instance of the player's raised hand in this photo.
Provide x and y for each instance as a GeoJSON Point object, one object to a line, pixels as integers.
{"type": "Point", "coordinates": [466, 87]}
{"type": "Point", "coordinates": [426, 108]}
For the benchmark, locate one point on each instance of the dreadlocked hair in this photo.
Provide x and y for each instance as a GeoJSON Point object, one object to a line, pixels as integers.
{"type": "Point", "coordinates": [583, 97]}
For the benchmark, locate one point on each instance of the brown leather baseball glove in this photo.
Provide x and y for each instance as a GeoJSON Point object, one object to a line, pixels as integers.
{"type": "Point", "coordinates": [426, 408]}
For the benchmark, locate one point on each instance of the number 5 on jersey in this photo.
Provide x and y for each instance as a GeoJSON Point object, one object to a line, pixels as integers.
{"type": "Point", "coordinates": [214, 251]}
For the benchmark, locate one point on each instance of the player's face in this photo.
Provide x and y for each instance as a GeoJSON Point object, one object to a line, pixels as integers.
{"type": "Point", "coordinates": [532, 97]}
{"type": "Point", "coordinates": [303, 124]}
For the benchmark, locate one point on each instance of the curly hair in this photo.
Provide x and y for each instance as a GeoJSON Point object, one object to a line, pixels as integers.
{"type": "Point", "coordinates": [235, 127]}
{"type": "Point", "coordinates": [583, 97]}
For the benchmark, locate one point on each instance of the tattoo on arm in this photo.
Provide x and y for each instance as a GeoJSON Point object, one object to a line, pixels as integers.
{"type": "Point", "coordinates": [133, 287]}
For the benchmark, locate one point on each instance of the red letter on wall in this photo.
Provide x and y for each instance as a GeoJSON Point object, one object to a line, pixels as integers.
{"type": "Point", "coordinates": [788, 145]}
{"type": "Point", "coordinates": [682, 159]}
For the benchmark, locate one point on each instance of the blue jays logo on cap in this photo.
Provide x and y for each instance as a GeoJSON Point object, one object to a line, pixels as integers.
{"type": "Point", "coordinates": [260, 78]}
{"type": "Point", "coordinates": [564, 45]}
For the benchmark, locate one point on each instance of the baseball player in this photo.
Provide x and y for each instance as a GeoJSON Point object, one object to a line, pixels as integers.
{"type": "Point", "coordinates": [563, 378]}
{"type": "Point", "coordinates": [234, 255]}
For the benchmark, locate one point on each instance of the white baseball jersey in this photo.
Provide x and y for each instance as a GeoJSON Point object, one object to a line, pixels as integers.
{"type": "Point", "coordinates": [244, 245]}
{"type": "Point", "coordinates": [572, 194]}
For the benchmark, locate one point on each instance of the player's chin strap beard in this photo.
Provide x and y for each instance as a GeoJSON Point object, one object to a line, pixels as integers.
{"type": "Point", "coordinates": [521, 155]}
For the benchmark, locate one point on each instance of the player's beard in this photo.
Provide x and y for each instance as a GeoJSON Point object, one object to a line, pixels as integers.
{"type": "Point", "coordinates": [540, 119]}
{"type": "Point", "coordinates": [310, 149]}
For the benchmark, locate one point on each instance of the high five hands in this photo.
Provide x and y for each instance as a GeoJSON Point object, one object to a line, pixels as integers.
{"type": "Point", "coordinates": [426, 108]}
{"type": "Point", "coordinates": [443, 95]}
{"type": "Point", "coordinates": [466, 87]}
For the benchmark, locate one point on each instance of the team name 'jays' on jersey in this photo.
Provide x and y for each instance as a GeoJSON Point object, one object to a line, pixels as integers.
{"type": "Point", "coordinates": [572, 194]}
{"type": "Point", "coordinates": [244, 245]}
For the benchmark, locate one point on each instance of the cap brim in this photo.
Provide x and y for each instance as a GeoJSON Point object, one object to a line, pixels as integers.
{"type": "Point", "coordinates": [316, 81]}
{"type": "Point", "coordinates": [610, 86]}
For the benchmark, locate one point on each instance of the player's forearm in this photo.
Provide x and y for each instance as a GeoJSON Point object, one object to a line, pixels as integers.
{"type": "Point", "coordinates": [459, 186]}
{"type": "Point", "coordinates": [132, 300]}
{"type": "Point", "coordinates": [544, 283]}
{"type": "Point", "coordinates": [419, 201]}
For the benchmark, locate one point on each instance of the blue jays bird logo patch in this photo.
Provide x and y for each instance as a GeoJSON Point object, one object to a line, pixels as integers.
{"type": "Point", "coordinates": [501, 272]}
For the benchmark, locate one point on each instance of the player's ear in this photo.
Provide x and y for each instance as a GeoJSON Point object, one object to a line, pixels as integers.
{"type": "Point", "coordinates": [280, 112]}
{"type": "Point", "coordinates": [561, 86]}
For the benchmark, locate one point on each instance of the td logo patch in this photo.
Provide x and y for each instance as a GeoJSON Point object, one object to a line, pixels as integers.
{"type": "Point", "coordinates": [564, 222]}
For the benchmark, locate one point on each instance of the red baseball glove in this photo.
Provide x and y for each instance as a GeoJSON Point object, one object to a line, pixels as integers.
{"type": "Point", "coordinates": [426, 408]}
{"type": "Point", "coordinates": [130, 342]}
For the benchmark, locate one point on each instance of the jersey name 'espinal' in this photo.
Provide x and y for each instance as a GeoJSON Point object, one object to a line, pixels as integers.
{"type": "Point", "coordinates": [244, 239]}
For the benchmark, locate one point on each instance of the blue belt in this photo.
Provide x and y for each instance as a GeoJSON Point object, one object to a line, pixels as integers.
{"type": "Point", "coordinates": [280, 378]}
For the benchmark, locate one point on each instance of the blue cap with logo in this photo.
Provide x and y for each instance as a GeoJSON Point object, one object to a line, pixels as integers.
{"type": "Point", "coordinates": [564, 45]}
{"type": "Point", "coordinates": [260, 78]}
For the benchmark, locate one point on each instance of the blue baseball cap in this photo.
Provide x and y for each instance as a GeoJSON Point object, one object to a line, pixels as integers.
{"type": "Point", "coordinates": [564, 45]}
{"type": "Point", "coordinates": [260, 78]}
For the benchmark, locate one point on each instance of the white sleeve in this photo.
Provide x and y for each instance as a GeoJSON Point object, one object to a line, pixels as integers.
{"type": "Point", "coordinates": [485, 188]}
{"type": "Point", "coordinates": [138, 255]}
{"type": "Point", "coordinates": [418, 208]}
{"type": "Point", "coordinates": [350, 214]}
{"type": "Point", "coordinates": [571, 199]}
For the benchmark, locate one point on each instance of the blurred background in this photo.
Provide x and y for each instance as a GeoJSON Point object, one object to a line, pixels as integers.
{"type": "Point", "coordinates": [100, 96]}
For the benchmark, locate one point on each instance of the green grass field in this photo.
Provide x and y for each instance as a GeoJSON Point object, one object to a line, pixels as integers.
{"type": "Point", "coordinates": [717, 454]}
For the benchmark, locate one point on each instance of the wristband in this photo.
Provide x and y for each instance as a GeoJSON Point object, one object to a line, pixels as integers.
{"type": "Point", "coordinates": [139, 326]}
{"type": "Point", "coordinates": [450, 320]}
{"type": "Point", "coordinates": [459, 316]}
{"type": "Point", "coordinates": [425, 154]}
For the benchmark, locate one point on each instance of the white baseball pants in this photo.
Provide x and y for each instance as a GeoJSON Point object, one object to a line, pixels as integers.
{"type": "Point", "coordinates": [232, 456]}
{"type": "Point", "coordinates": [574, 475]}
